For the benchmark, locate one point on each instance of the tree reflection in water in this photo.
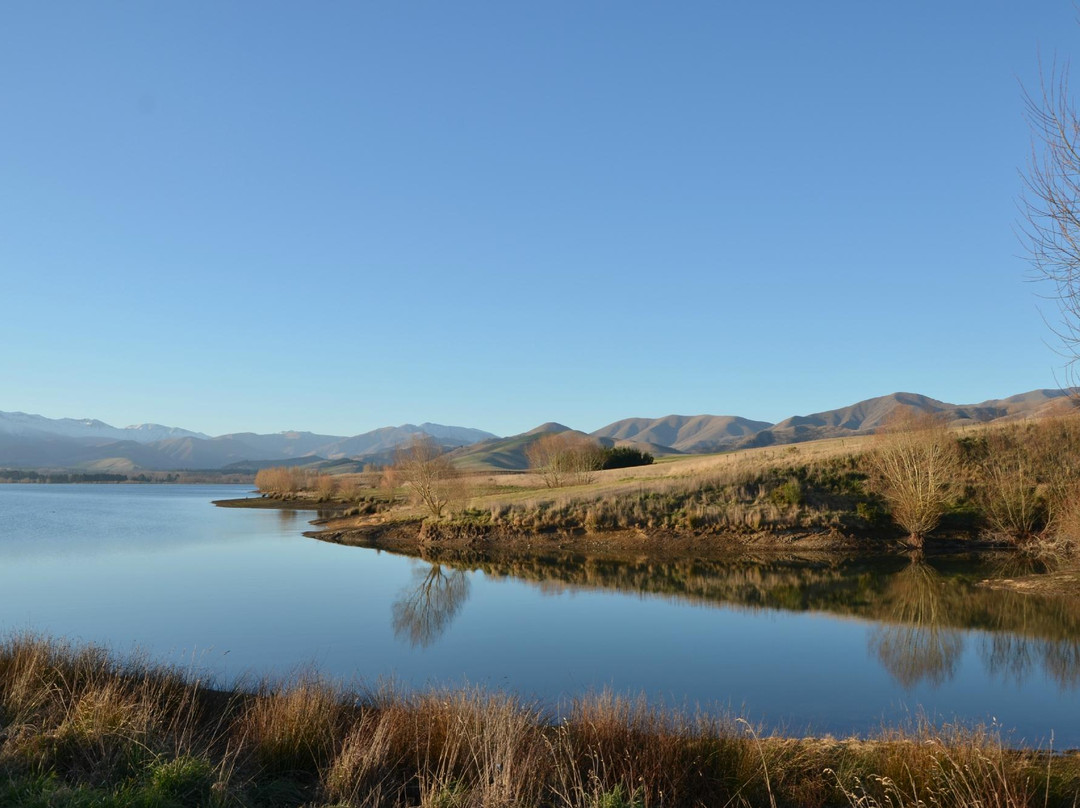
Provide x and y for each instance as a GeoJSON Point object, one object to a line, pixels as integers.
{"type": "Point", "coordinates": [916, 645]}
{"type": "Point", "coordinates": [424, 610]}
{"type": "Point", "coordinates": [923, 614]}
{"type": "Point", "coordinates": [1019, 650]}
{"type": "Point", "coordinates": [1062, 661]}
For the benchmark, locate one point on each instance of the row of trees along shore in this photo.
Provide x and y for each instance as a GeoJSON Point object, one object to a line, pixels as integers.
{"type": "Point", "coordinates": [1022, 479]}
{"type": "Point", "coordinates": [1018, 482]}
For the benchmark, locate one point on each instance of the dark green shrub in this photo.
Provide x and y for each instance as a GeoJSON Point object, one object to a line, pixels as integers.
{"type": "Point", "coordinates": [622, 457]}
{"type": "Point", "coordinates": [185, 780]}
{"type": "Point", "coordinates": [789, 493]}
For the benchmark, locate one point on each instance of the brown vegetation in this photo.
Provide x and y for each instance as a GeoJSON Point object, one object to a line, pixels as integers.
{"type": "Point", "coordinates": [914, 463]}
{"type": "Point", "coordinates": [282, 480]}
{"type": "Point", "coordinates": [564, 458]}
{"type": "Point", "coordinates": [431, 478]}
{"type": "Point", "coordinates": [738, 495]}
{"type": "Point", "coordinates": [81, 727]}
{"type": "Point", "coordinates": [1026, 478]}
{"type": "Point", "coordinates": [292, 482]}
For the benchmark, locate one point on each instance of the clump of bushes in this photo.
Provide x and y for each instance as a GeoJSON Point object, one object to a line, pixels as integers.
{"type": "Point", "coordinates": [1027, 479]}
{"type": "Point", "coordinates": [281, 480]}
{"type": "Point", "coordinates": [569, 458]}
{"type": "Point", "coordinates": [284, 481]}
{"type": "Point", "coordinates": [624, 457]}
{"type": "Point", "coordinates": [1017, 482]}
{"type": "Point", "coordinates": [565, 458]}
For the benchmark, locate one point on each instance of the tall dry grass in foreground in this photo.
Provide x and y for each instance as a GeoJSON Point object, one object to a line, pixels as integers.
{"type": "Point", "coordinates": [81, 727]}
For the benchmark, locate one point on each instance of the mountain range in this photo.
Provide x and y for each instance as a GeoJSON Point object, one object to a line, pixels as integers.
{"type": "Point", "coordinates": [34, 442]}
{"type": "Point", "coordinates": [704, 434]}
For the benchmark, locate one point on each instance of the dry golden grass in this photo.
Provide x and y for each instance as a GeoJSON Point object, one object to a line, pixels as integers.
{"type": "Point", "coordinates": [293, 727]}
{"type": "Point", "coordinates": [743, 461]}
{"type": "Point", "coordinates": [78, 717]}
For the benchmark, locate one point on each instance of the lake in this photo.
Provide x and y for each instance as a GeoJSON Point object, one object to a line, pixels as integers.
{"type": "Point", "coordinates": [810, 645]}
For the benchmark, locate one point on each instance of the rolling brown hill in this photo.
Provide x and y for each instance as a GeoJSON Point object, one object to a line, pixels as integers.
{"type": "Point", "coordinates": [703, 434]}
{"type": "Point", "coordinates": [26, 442]}
{"type": "Point", "coordinates": [503, 454]}
{"type": "Point", "coordinates": [690, 434]}
{"type": "Point", "coordinates": [865, 417]}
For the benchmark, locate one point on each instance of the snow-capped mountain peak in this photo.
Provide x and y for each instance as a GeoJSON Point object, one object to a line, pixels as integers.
{"type": "Point", "coordinates": [26, 424]}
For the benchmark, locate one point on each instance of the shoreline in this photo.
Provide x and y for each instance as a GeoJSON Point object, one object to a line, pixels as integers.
{"type": "Point", "coordinates": [412, 535]}
{"type": "Point", "coordinates": [470, 543]}
{"type": "Point", "coordinates": [271, 503]}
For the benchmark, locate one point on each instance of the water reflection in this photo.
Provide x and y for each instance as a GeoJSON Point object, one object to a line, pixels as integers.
{"type": "Point", "coordinates": [1016, 658]}
{"type": "Point", "coordinates": [924, 609]}
{"type": "Point", "coordinates": [1040, 634]}
{"type": "Point", "coordinates": [914, 644]}
{"type": "Point", "coordinates": [425, 609]}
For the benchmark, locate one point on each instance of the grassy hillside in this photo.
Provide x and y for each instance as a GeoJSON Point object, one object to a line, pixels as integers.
{"type": "Point", "coordinates": [694, 434]}
{"type": "Point", "coordinates": [504, 454]}
{"type": "Point", "coordinates": [707, 434]}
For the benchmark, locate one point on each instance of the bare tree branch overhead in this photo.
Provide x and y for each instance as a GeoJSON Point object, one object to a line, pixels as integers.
{"type": "Point", "coordinates": [1050, 202]}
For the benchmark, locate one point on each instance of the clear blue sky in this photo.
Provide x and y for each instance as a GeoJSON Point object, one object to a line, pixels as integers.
{"type": "Point", "coordinates": [338, 216]}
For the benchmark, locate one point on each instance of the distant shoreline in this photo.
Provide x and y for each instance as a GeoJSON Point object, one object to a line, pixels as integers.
{"type": "Point", "coordinates": [7, 477]}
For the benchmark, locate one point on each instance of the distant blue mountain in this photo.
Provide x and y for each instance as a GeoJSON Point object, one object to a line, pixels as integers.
{"type": "Point", "coordinates": [34, 441]}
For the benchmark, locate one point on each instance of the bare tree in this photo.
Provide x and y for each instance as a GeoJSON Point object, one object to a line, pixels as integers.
{"type": "Point", "coordinates": [326, 487]}
{"type": "Point", "coordinates": [427, 471]}
{"type": "Point", "coordinates": [589, 458]}
{"type": "Point", "coordinates": [564, 457]}
{"type": "Point", "coordinates": [915, 463]}
{"type": "Point", "coordinates": [1051, 202]}
{"type": "Point", "coordinates": [547, 455]}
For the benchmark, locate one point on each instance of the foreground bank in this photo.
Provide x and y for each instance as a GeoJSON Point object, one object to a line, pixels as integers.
{"type": "Point", "coordinates": [79, 727]}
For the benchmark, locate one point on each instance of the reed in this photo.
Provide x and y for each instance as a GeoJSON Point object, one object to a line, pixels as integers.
{"type": "Point", "coordinates": [81, 726]}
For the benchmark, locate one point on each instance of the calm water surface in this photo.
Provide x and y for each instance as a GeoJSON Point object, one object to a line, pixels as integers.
{"type": "Point", "coordinates": [819, 645]}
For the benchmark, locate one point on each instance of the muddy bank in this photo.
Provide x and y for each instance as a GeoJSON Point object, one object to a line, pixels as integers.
{"type": "Point", "coordinates": [1062, 583]}
{"type": "Point", "coordinates": [418, 537]}
{"type": "Point", "coordinates": [464, 541]}
{"type": "Point", "coordinates": [325, 509]}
